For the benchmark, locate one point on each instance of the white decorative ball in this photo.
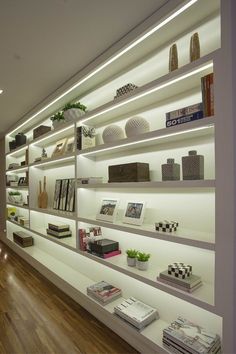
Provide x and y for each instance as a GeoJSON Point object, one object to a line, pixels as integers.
{"type": "Point", "coordinates": [136, 125]}
{"type": "Point", "coordinates": [112, 133]}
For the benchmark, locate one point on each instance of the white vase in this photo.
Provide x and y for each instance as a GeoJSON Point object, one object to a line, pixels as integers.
{"type": "Point", "coordinates": [131, 261]}
{"type": "Point", "coordinates": [142, 265]}
{"type": "Point", "coordinates": [136, 125]}
{"type": "Point", "coordinates": [15, 199]}
{"type": "Point", "coordinates": [72, 114]}
{"type": "Point", "coordinates": [112, 133]}
{"type": "Point", "coordinates": [58, 123]}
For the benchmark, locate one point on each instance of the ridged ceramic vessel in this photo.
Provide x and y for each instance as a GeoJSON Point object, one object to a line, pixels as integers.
{"type": "Point", "coordinates": [72, 114]}
{"type": "Point", "coordinates": [136, 125]}
{"type": "Point", "coordinates": [112, 133]}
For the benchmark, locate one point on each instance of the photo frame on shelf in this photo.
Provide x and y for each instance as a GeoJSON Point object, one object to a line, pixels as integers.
{"type": "Point", "coordinates": [63, 194]}
{"type": "Point", "coordinates": [108, 209]}
{"type": "Point", "coordinates": [134, 212]}
{"type": "Point", "coordinates": [59, 148]}
{"type": "Point", "coordinates": [70, 200]}
{"type": "Point", "coordinates": [57, 192]}
{"type": "Point", "coordinates": [70, 146]}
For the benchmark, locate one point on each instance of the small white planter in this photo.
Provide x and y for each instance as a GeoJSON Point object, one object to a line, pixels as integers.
{"type": "Point", "coordinates": [15, 199]}
{"type": "Point", "coordinates": [142, 265]}
{"type": "Point", "coordinates": [58, 123]}
{"type": "Point", "coordinates": [131, 262]}
{"type": "Point", "coordinates": [72, 114]}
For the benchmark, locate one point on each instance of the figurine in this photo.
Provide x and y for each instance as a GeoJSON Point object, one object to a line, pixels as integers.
{"type": "Point", "coordinates": [44, 154]}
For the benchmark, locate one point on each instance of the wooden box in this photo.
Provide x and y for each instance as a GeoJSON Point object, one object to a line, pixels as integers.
{"type": "Point", "coordinates": [129, 172]}
{"type": "Point", "coordinates": [23, 239]}
{"type": "Point", "coordinates": [42, 129]}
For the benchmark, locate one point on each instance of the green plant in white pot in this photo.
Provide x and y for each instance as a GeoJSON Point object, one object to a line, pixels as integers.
{"type": "Point", "coordinates": [73, 111]}
{"type": "Point", "coordinates": [15, 197]}
{"type": "Point", "coordinates": [57, 119]}
{"type": "Point", "coordinates": [131, 257]}
{"type": "Point", "coordinates": [142, 260]}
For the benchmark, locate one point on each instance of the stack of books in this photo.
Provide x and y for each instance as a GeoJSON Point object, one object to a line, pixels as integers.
{"type": "Point", "coordinates": [89, 180]}
{"type": "Point", "coordinates": [103, 292]}
{"type": "Point", "coordinates": [59, 231]}
{"type": "Point", "coordinates": [184, 115]}
{"type": "Point", "coordinates": [136, 313]}
{"type": "Point", "coordinates": [104, 248]}
{"type": "Point", "coordinates": [185, 337]}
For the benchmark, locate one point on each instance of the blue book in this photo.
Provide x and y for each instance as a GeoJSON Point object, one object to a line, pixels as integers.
{"type": "Point", "coordinates": [184, 119]}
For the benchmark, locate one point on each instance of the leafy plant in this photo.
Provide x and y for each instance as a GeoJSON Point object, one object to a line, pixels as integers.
{"type": "Point", "coordinates": [131, 253]}
{"type": "Point", "coordinates": [143, 257]}
{"type": "Point", "coordinates": [58, 116]}
{"type": "Point", "coordinates": [14, 193]}
{"type": "Point", "coordinates": [74, 105]}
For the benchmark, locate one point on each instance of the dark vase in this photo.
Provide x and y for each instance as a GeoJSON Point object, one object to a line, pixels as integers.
{"type": "Point", "coordinates": [20, 139]}
{"type": "Point", "coordinates": [12, 145]}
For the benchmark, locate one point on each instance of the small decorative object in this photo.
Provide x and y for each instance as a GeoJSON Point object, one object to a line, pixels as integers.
{"type": "Point", "coordinates": [136, 125]}
{"type": "Point", "coordinates": [85, 137]}
{"type": "Point", "coordinates": [23, 239]}
{"type": "Point", "coordinates": [166, 226]}
{"type": "Point", "coordinates": [57, 119]}
{"type": "Point", "coordinates": [59, 148]}
{"type": "Point", "coordinates": [44, 154]}
{"type": "Point", "coordinates": [70, 146]}
{"type": "Point", "coordinates": [170, 171]}
{"type": "Point", "coordinates": [59, 231]}
{"type": "Point", "coordinates": [142, 260]}
{"type": "Point", "coordinates": [134, 213]}
{"type": "Point", "coordinates": [12, 145]}
{"type": "Point", "coordinates": [112, 133]}
{"type": "Point", "coordinates": [89, 180]}
{"type": "Point", "coordinates": [13, 165]}
{"type": "Point", "coordinates": [22, 181]}
{"type": "Point", "coordinates": [107, 210]}
{"type": "Point", "coordinates": [12, 180]}
{"type": "Point", "coordinates": [15, 197]}
{"type": "Point", "coordinates": [194, 51]}
{"type": "Point", "coordinates": [70, 199]}
{"type": "Point", "coordinates": [180, 270]}
{"type": "Point", "coordinates": [41, 130]}
{"type": "Point", "coordinates": [173, 58]}
{"type": "Point", "coordinates": [129, 172]}
{"type": "Point", "coordinates": [104, 246]}
{"type": "Point", "coordinates": [125, 89]}
{"type": "Point", "coordinates": [57, 193]}
{"type": "Point", "coordinates": [131, 257]}
{"type": "Point", "coordinates": [193, 166]}
{"type": "Point", "coordinates": [11, 213]}
{"type": "Point", "coordinates": [44, 195]}
{"type": "Point", "coordinates": [73, 111]}
{"type": "Point", "coordinates": [20, 139]}
{"type": "Point", "coordinates": [63, 195]}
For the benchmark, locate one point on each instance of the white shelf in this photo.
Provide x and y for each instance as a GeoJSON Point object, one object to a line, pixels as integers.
{"type": "Point", "coordinates": [175, 82]}
{"type": "Point", "coordinates": [18, 187]}
{"type": "Point", "coordinates": [62, 131]}
{"type": "Point", "coordinates": [18, 169]}
{"type": "Point", "coordinates": [191, 130]}
{"type": "Point", "coordinates": [63, 160]}
{"type": "Point", "coordinates": [59, 213]}
{"type": "Point", "coordinates": [18, 206]}
{"type": "Point", "coordinates": [16, 223]}
{"type": "Point", "coordinates": [18, 151]}
{"type": "Point", "coordinates": [182, 236]}
{"type": "Point", "coordinates": [208, 184]}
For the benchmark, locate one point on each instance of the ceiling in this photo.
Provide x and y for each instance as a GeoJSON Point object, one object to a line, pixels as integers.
{"type": "Point", "coordinates": [44, 43]}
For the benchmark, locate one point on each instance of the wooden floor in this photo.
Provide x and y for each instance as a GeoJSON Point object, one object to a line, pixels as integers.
{"type": "Point", "coordinates": [37, 318]}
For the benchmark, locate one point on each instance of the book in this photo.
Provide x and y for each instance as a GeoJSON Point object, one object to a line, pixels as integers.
{"type": "Point", "coordinates": [59, 234]}
{"type": "Point", "coordinates": [103, 292]}
{"type": "Point", "coordinates": [185, 111]}
{"type": "Point", "coordinates": [184, 119]}
{"type": "Point", "coordinates": [187, 282]}
{"type": "Point", "coordinates": [190, 336]}
{"type": "Point", "coordinates": [106, 255]}
{"type": "Point", "coordinates": [89, 180]}
{"type": "Point", "coordinates": [61, 227]}
{"type": "Point", "coordinates": [180, 287]}
{"type": "Point", "coordinates": [136, 312]}
{"type": "Point", "coordinates": [176, 348]}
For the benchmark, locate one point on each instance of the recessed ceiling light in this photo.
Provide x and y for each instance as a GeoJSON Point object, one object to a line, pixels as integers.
{"type": "Point", "coordinates": [1, 91]}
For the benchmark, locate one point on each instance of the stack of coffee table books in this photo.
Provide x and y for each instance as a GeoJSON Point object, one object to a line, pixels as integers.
{"type": "Point", "coordinates": [186, 337]}
{"type": "Point", "coordinates": [103, 292]}
{"type": "Point", "coordinates": [136, 312]}
{"type": "Point", "coordinates": [59, 230]}
{"type": "Point", "coordinates": [179, 275]}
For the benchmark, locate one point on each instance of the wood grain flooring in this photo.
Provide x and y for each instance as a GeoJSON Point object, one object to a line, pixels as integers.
{"type": "Point", "coordinates": [37, 318]}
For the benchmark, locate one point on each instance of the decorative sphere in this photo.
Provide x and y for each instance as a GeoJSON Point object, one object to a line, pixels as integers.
{"type": "Point", "coordinates": [112, 133]}
{"type": "Point", "coordinates": [136, 125]}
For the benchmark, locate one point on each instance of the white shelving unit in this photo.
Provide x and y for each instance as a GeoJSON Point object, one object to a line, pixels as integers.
{"type": "Point", "coordinates": [142, 58]}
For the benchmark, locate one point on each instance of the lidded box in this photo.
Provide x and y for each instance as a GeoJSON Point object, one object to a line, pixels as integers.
{"type": "Point", "coordinates": [193, 166]}
{"type": "Point", "coordinates": [170, 171]}
{"type": "Point", "coordinates": [129, 172]}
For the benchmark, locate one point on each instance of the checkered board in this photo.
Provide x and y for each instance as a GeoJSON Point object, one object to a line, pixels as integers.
{"type": "Point", "coordinates": [180, 270]}
{"type": "Point", "coordinates": [166, 226]}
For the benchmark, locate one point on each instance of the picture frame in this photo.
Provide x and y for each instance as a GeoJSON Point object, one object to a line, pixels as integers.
{"type": "Point", "coordinates": [57, 192]}
{"type": "Point", "coordinates": [63, 194]}
{"type": "Point", "coordinates": [108, 209]}
{"type": "Point", "coordinates": [70, 199]}
{"type": "Point", "coordinates": [59, 148]}
{"type": "Point", "coordinates": [134, 212]}
{"type": "Point", "coordinates": [70, 146]}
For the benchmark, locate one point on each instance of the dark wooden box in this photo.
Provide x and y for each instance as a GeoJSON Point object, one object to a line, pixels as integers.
{"type": "Point", "coordinates": [42, 129]}
{"type": "Point", "coordinates": [104, 246]}
{"type": "Point", "coordinates": [23, 239]}
{"type": "Point", "coordinates": [129, 172]}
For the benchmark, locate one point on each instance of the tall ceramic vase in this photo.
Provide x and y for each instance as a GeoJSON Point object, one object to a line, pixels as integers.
{"type": "Point", "coordinates": [173, 58]}
{"type": "Point", "coordinates": [194, 50]}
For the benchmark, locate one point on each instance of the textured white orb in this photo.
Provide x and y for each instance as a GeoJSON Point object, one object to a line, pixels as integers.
{"type": "Point", "coordinates": [112, 133]}
{"type": "Point", "coordinates": [136, 125]}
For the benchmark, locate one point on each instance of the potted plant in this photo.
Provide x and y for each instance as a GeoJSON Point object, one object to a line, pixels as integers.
{"type": "Point", "coordinates": [73, 111]}
{"type": "Point", "coordinates": [131, 257]}
{"type": "Point", "coordinates": [15, 197]}
{"type": "Point", "coordinates": [142, 260]}
{"type": "Point", "coordinates": [57, 119]}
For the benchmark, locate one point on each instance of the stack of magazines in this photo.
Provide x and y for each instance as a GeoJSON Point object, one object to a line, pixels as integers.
{"type": "Point", "coordinates": [185, 337]}
{"type": "Point", "coordinates": [136, 313]}
{"type": "Point", "coordinates": [103, 292]}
